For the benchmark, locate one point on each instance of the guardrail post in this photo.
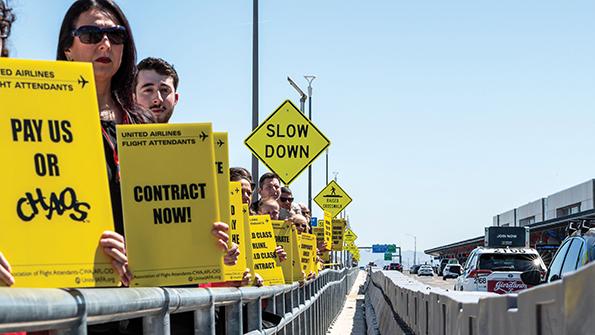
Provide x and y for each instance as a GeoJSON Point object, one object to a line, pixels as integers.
{"type": "Point", "coordinates": [80, 328]}
{"type": "Point", "coordinates": [254, 315]}
{"type": "Point", "coordinates": [233, 318]}
{"type": "Point", "coordinates": [204, 318]}
{"type": "Point", "coordinates": [158, 324]}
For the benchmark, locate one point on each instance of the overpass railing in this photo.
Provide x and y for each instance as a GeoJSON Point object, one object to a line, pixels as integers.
{"type": "Point", "coordinates": [307, 308]}
{"type": "Point", "coordinates": [563, 307]}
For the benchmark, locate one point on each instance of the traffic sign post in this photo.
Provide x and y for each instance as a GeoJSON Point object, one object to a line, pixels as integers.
{"type": "Point", "coordinates": [379, 248]}
{"type": "Point", "coordinates": [287, 142]}
{"type": "Point", "coordinates": [391, 248]}
{"type": "Point", "coordinates": [388, 256]}
{"type": "Point", "coordinates": [333, 198]}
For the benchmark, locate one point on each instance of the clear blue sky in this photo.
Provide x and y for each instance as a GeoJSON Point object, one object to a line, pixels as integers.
{"type": "Point", "coordinates": [441, 113]}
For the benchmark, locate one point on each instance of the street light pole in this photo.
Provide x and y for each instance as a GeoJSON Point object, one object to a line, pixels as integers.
{"type": "Point", "coordinates": [254, 80]}
{"type": "Point", "coordinates": [310, 78]}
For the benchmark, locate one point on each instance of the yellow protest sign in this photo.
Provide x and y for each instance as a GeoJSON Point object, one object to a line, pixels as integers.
{"type": "Point", "coordinates": [308, 253]}
{"type": "Point", "coordinates": [349, 236]}
{"type": "Point", "coordinates": [222, 173]}
{"type": "Point", "coordinates": [261, 246]}
{"type": "Point", "coordinates": [170, 202]}
{"type": "Point", "coordinates": [328, 230]}
{"type": "Point", "coordinates": [236, 233]}
{"type": "Point", "coordinates": [286, 237]}
{"type": "Point", "coordinates": [55, 197]}
{"type": "Point", "coordinates": [319, 232]}
{"type": "Point", "coordinates": [333, 198]}
{"type": "Point", "coordinates": [338, 227]}
{"type": "Point", "coordinates": [287, 142]}
{"type": "Point", "coordinates": [349, 246]}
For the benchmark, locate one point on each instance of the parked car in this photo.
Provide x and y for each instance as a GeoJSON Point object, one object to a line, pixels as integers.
{"type": "Point", "coordinates": [576, 250]}
{"type": "Point", "coordinates": [425, 270]}
{"type": "Point", "coordinates": [498, 270]}
{"type": "Point", "coordinates": [395, 267]}
{"type": "Point", "coordinates": [451, 271]}
{"type": "Point", "coordinates": [413, 269]}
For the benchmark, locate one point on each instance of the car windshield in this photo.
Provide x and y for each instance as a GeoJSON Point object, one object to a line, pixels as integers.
{"type": "Point", "coordinates": [455, 269]}
{"type": "Point", "coordinates": [509, 262]}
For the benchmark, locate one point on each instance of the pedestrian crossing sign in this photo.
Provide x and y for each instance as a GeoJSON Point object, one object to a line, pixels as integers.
{"type": "Point", "coordinates": [332, 198]}
{"type": "Point", "coordinates": [287, 142]}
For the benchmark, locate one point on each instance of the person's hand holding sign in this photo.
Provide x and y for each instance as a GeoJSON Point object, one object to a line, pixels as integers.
{"type": "Point", "coordinates": [281, 253]}
{"type": "Point", "coordinates": [231, 254]}
{"type": "Point", "coordinates": [114, 247]}
{"type": "Point", "coordinates": [5, 270]}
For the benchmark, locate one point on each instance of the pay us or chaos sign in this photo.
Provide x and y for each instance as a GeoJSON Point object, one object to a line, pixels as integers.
{"type": "Point", "coordinates": [332, 198]}
{"type": "Point", "coordinates": [55, 197]}
{"type": "Point", "coordinates": [287, 142]}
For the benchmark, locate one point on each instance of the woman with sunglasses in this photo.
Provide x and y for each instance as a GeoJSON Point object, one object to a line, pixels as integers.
{"type": "Point", "coordinates": [98, 32]}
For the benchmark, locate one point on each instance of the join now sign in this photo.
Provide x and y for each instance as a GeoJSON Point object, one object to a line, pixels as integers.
{"type": "Point", "coordinates": [287, 142]}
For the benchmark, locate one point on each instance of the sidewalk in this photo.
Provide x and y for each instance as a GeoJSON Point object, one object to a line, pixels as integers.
{"type": "Point", "coordinates": [351, 319]}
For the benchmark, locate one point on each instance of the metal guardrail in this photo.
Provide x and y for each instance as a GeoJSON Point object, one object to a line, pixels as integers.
{"type": "Point", "coordinates": [305, 309]}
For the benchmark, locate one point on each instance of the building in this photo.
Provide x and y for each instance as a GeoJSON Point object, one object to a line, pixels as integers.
{"type": "Point", "coordinates": [546, 217]}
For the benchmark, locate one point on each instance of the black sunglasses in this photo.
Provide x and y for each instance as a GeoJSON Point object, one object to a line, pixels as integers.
{"type": "Point", "coordinates": [283, 199]}
{"type": "Point", "coordinates": [94, 34]}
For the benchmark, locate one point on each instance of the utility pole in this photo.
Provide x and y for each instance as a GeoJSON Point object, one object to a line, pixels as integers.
{"type": "Point", "coordinates": [254, 81]}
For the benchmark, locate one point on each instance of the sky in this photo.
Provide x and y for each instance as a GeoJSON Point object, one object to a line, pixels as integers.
{"type": "Point", "coordinates": [441, 114]}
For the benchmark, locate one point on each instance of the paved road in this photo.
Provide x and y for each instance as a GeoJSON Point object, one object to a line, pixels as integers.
{"type": "Point", "coordinates": [433, 281]}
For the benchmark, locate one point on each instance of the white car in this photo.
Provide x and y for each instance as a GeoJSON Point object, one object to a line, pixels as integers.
{"type": "Point", "coordinates": [451, 271]}
{"type": "Point", "coordinates": [498, 270]}
{"type": "Point", "coordinates": [425, 270]}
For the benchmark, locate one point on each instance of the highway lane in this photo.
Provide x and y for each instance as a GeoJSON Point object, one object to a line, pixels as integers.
{"type": "Point", "coordinates": [434, 281]}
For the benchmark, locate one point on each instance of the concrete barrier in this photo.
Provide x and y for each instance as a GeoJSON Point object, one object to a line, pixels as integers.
{"type": "Point", "coordinates": [565, 307]}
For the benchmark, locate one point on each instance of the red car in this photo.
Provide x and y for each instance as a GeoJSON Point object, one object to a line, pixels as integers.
{"type": "Point", "coordinates": [395, 266]}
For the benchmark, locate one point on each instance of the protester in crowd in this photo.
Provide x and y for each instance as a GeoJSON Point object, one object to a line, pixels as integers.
{"type": "Point", "coordinates": [268, 206]}
{"type": "Point", "coordinates": [245, 178]}
{"type": "Point", "coordinates": [288, 207]}
{"type": "Point", "coordinates": [6, 20]}
{"type": "Point", "coordinates": [300, 223]}
{"type": "Point", "coordinates": [268, 187]}
{"type": "Point", "coordinates": [305, 211]}
{"type": "Point", "coordinates": [155, 87]}
{"type": "Point", "coordinates": [98, 32]}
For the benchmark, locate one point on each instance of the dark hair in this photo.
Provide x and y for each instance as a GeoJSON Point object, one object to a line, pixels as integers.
{"type": "Point", "coordinates": [285, 189]}
{"type": "Point", "coordinates": [121, 83]}
{"type": "Point", "coordinates": [6, 20]}
{"type": "Point", "coordinates": [238, 173]}
{"type": "Point", "coordinates": [158, 65]}
{"type": "Point", "coordinates": [268, 175]}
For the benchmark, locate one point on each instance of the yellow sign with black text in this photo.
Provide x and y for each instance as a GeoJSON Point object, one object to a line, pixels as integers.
{"type": "Point", "coordinates": [349, 236]}
{"type": "Point", "coordinates": [222, 173]}
{"type": "Point", "coordinates": [55, 199]}
{"type": "Point", "coordinates": [287, 142]}
{"type": "Point", "coordinates": [308, 253]}
{"type": "Point", "coordinates": [170, 202]}
{"type": "Point", "coordinates": [236, 233]}
{"type": "Point", "coordinates": [338, 226]}
{"type": "Point", "coordinates": [261, 250]}
{"type": "Point", "coordinates": [286, 236]}
{"type": "Point", "coordinates": [328, 230]}
{"type": "Point", "coordinates": [333, 198]}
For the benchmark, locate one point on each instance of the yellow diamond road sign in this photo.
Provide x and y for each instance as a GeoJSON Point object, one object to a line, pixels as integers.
{"type": "Point", "coordinates": [349, 236]}
{"type": "Point", "coordinates": [332, 198]}
{"type": "Point", "coordinates": [287, 142]}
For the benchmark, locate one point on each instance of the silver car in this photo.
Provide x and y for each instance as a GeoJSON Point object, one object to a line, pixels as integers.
{"type": "Point", "coordinates": [425, 270]}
